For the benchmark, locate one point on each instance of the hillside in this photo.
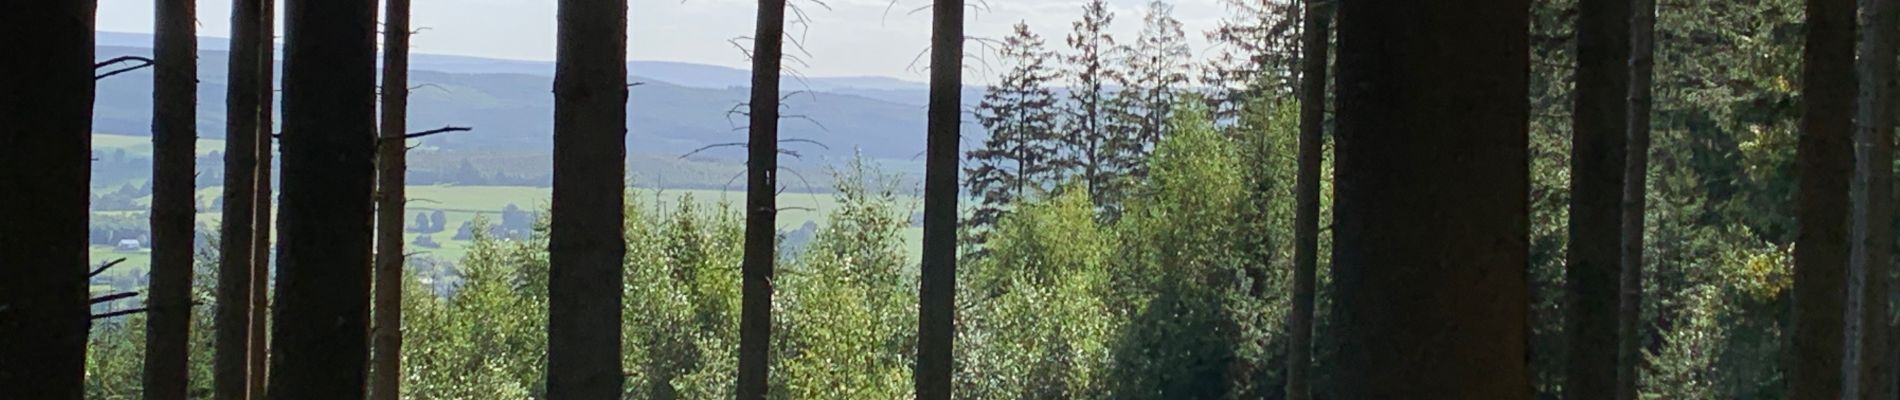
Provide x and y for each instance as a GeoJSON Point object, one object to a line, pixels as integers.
{"type": "Point", "coordinates": [677, 108]}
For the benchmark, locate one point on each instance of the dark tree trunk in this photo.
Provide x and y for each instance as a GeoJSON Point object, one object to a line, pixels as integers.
{"type": "Point", "coordinates": [322, 305]}
{"type": "Point", "coordinates": [45, 141]}
{"type": "Point", "coordinates": [1598, 137]}
{"type": "Point", "coordinates": [761, 215]}
{"type": "Point", "coordinates": [1313, 48]}
{"type": "Point", "coordinates": [937, 289]}
{"type": "Point", "coordinates": [231, 367]}
{"type": "Point", "coordinates": [1432, 175]}
{"type": "Point", "coordinates": [260, 243]}
{"type": "Point", "coordinates": [585, 247]}
{"type": "Point", "coordinates": [1635, 200]}
{"type": "Point", "coordinates": [386, 360]}
{"type": "Point", "coordinates": [174, 198]}
{"type": "Point", "coordinates": [1872, 190]}
{"type": "Point", "coordinates": [1823, 162]}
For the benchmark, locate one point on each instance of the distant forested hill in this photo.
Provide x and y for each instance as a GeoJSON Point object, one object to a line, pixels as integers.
{"type": "Point", "coordinates": [677, 108]}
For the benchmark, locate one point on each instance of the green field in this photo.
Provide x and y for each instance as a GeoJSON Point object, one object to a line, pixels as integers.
{"type": "Point", "coordinates": [464, 203]}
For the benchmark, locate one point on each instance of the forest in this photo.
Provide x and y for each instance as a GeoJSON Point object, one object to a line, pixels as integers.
{"type": "Point", "coordinates": [1539, 199]}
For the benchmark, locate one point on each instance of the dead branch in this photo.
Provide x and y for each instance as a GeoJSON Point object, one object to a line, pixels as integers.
{"type": "Point", "coordinates": [444, 129]}
{"type": "Point", "coordinates": [111, 297]}
{"type": "Point", "coordinates": [120, 313]}
{"type": "Point", "coordinates": [103, 267]}
{"type": "Point", "coordinates": [142, 63]}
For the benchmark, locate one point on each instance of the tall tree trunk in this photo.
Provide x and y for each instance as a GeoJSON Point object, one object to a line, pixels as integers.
{"type": "Point", "coordinates": [391, 165]}
{"type": "Point", "coordinates": [232, 363]}
{"type": "Point", "coordinates": [1823, 161]}
{"type": "Point", "coordinates": [174, 198]}
{"type": "Point", "coordinates": [322, 307]}
{"type": "Point", "coordinates": [586, 247]}
{"type": "Point", "coordinates": [45, 141]}
{"type": "Point", "coordinates": [1313, 53]}
{"type": "Point", "coordinates": [1635, 200]}
{"type": "Point", "coordinates": [1431, 210]}
{"type": "Point", "coordinates": [937, 289]}
{"type": "Point", "coordinates": [260, 243]}
{"type": "Point", "coordinates": [1867, 372]}
{"type": "Point", "coordinates": [761, 233]}
{"type": "Point", "coordinates": [1596, 182]}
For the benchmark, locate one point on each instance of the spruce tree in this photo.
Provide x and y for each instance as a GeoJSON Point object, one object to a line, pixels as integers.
{"type": "Point", "coordinates": [1087, 116]}
{"type": "Point", "coordinates": [1019, 159]}
{"type": "Point", "coordinates": [1154, 74]}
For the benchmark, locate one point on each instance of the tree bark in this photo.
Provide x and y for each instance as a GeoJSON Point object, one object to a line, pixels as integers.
{"type": "Point", "coordinates": [1431, 205]}
{"type": "Point", "coordinates": [761, 233]}
{"type": "Point", "coordinates": [174, 199]}
{"type": "Point", "coordinates": [322, 305]}
{"type": "Point", "coordinates": [1823, 162]}
{"type": "Point", "coordinates": [586, 247]}
{"type": "Point", "coordinates": [45, 140]}
{"type": "Point", "coordinates": [391, 165]}
{"type": "Point", "coordinates": [937, 288]}
{"type": "Point", "coordinates": [231, 365]}
{"type": "Point", "coordinates": [1635, 197]}
{"type": "Point", "coordinates": [1867, 373]}
{"type": "Point", "coordinates": [1313, 48]}
{"type": "Point", "coordinates": [260, 243]}
{"type": "Point", "coordinates": [1598, 154]}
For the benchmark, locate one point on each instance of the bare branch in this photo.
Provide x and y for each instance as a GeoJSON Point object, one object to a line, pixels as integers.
{"type": "Point", "coordinates": [111, 297]}
{"type": "Point", "coordinates": [103, 267]}
{"type": "Point", "coordinates": [142, 63]}
{"type": "Point", "coordinates": [120, 313]}
{"type": "Point", "coordinates": [444, 129]}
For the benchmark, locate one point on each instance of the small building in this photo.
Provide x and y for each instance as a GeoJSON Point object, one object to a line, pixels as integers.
{"type": "Point", "coordinates": [130, 245]}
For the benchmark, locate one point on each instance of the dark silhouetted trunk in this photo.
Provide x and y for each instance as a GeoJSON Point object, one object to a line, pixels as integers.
{"type": "Point", "coordinates": [761, 211]}
{"type": "Point", "coordinates": [260, 244]}
{"type": "Point", "coordinates": [45, 141]}
{"type": "Point", "coordinates": [1591, 266]}
{"type": "Point", "coordinates": [1635, 190]}
{"type": "Point", "coordinates": [231, 366]}
{"type": "Point", "coordinates": [391, 164]}
{"type": "Point", "coordinates": [1431, 210]}
{"type": "Point", "coordinates": [1313, 52]}
{"type": "Point", "coordinates": [321, 317]}
{"type": "Point", "coordinates": [585, 246]}
{"type": "Point", "coordinates": [937, 289]}
{"type": "Point", "coordinates": [1868, 374]}
{"type": "Point", "coordinates": [1823, 161]}
{"type": "Point", "coordinates": [174, 198]}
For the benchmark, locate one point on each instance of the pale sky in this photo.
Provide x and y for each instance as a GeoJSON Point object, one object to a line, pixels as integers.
{"type": "Point", "coordinates": [853, 37]}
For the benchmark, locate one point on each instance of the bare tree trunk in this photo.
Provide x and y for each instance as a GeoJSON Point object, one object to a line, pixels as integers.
{"type": "Point", "coordinates": [45, 140]}
{"type": "Point", "coordinates": [322, 306]}
{"type": "Point", "coordinates": [1431, 212]}
{"type": "Point", "coordinates": [174, 198]}
{"type": "Point", "coordinates": [260, 244]}
{"type": "Point", "coordinates": [1823, 161]}
{"type": "Point", "coordinates": [1867, 372]}
{"type": "Point", "coordinates": [937, 289]}
{"type": "Point", "coordinates": [586, 247]}
{"type": "Point", "coordinates": [1635, 200]}
{"type": "Point", "coordinates": [1313, 48]}
{"type": "Point", "coordinates": [1598, 125]}
{"type": "Point", "coordinates": [232, 364]}
{"type": "Point", "coordinates": [761, 233]}
{"type": "Point", "coordinates": [391, 165]}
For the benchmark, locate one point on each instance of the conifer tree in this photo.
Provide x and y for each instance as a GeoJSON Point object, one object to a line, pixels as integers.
{"type": "Point", "coordinates": [1087, 115]}
{"type": "Point", "coordinates": [1019, 158]}
{"type": "Point", "coordinates": [1154, 73]}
